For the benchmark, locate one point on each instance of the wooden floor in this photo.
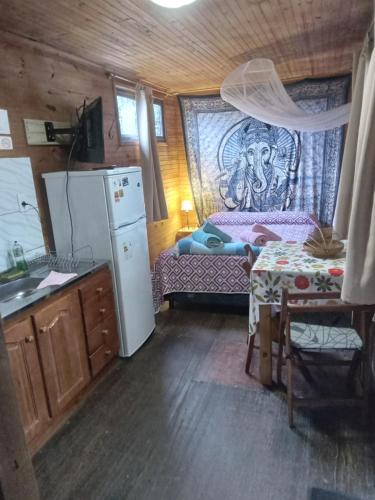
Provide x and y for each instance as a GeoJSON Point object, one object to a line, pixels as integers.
{"type": "Point", "coordinates": [181, 421]}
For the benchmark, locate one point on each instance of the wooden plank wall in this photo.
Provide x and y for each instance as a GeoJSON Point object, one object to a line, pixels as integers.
{"type": "Point", "coordinates": [197, 46]}
{"type": "Point", "coordinates": [40, 83]}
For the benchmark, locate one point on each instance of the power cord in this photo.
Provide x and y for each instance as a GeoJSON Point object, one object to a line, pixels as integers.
{"type": "Point", "coordinates": [26, 204]}
{"type": "Point", "coordinates": [68, 168]}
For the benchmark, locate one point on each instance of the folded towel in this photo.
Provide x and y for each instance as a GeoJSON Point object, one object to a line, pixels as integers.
{"type": "Point", "coordinates": [249, 236]}
{"type": "Point", "coordinates": [258, 228]}
{"type": "Point", "coordinates": [226, 249]}
{"type": "Point", "coordinates": [259, 235]}
{"type": "Point", "coordinates": [188, 246]}
{"type": "Point", "coordinates": [183, 245]}
{"type": "Point", "coordinates": [210, 228]}
{"type": "Point", "coordinates": [207, 239]}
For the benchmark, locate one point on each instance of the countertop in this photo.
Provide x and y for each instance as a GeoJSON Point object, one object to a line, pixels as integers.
{"type": "Point", "coordinates": [83, 268]}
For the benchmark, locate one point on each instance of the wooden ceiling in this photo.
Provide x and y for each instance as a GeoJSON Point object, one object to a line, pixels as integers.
{"type": "Point", "coordinates": [196, 46]}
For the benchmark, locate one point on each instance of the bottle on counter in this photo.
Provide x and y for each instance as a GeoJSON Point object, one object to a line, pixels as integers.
{"type": "Point", "coordinates": [19, 257]}
{"type": "Point", "coordinates": [10, 259]}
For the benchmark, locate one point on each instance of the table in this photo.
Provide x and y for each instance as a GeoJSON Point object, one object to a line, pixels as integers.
{"type": "Point", "coordinates": [184, 231]}
{"type": "Point", "coordinates": [285, 265]}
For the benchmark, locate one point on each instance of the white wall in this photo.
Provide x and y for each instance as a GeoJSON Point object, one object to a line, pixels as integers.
{"type": "Point", "coordinates": [16, 223]}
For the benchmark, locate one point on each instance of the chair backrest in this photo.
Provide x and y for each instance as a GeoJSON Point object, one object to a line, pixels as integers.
{"type": "Point", "coordinates": [251, 258]}
{"type": "Point", "coordinates": [291, 304]}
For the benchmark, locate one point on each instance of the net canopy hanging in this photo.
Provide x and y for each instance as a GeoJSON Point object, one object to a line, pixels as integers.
{"type": "Point", "coordinates": [256, 89]}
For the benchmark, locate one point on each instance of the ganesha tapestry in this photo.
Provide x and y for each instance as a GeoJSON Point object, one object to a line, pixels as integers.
{"type": "Point", "coordinates": [237, 163]}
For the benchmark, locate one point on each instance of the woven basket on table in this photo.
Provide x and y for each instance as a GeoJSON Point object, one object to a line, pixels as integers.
{"type": "Point", "coordinates": [323, 244]}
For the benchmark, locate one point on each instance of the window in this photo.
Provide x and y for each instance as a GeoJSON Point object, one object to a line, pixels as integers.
{"type": "Point", "coordinates": [159, 120]}
{"type": "Point", "coordinates": [127, 116]}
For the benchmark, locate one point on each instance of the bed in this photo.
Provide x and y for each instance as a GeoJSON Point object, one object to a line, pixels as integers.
{"type": "Point", "coordinates": [222, 274]}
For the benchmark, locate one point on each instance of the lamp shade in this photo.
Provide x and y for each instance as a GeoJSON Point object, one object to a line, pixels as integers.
{"type": "Point", "coordinates": [172, 4]}
{"type": "Point", "coordinates": [186, 206]}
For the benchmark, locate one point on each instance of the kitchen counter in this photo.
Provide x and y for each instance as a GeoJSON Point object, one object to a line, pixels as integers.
{"type": "Point", "coordinates": [83, 268]}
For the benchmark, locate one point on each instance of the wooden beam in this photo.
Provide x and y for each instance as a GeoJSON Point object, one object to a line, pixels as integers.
{"type": "Point", "coordinates": [17, 478]}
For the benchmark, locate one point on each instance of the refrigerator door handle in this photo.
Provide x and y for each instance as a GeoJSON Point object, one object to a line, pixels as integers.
{"type": "Point", "coordinates": [120, 226]}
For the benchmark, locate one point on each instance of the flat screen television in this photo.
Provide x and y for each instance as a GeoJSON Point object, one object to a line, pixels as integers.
{"type": "Point", "coordinates": [88, 139]}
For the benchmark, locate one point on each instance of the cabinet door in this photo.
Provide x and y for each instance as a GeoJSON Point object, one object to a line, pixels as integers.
{"type": "Point", "coordinates": [26, 371]}
{"type": "Point", "coordinates": [62, 349]}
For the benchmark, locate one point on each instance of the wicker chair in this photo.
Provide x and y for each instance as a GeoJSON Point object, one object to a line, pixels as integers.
{"type": "Point", "coordinates": [303, 329]}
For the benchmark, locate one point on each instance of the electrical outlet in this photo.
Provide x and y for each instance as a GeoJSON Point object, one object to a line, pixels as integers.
{"type": "Point", "coordinates": [20, 199]}
{"type": "Point", "coordinates": [36, 133]}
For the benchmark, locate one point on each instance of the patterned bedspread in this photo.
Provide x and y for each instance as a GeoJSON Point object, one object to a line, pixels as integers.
{"type": "Point", "coordinates": [222, 273]}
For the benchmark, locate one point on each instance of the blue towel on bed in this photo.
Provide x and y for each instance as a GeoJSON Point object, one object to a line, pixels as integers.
{"type": "Point", "coordinates": [207, 239]}
{"type": "Point", "coordinates": [208, 227]}
{"type": "Point", "coordinates": [226, 249]}
{"type": "Point", "coordinates": [188, 246]}
{"type": "Point", "coordinates": [184, 244]}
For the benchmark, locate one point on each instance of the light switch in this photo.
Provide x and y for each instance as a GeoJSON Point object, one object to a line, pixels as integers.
{"type": "Point", "coordinates": [6, 142]}
{"type": "Point", "coordinates": [4, 122]}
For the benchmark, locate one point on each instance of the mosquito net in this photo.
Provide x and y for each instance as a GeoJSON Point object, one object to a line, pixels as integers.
{"type": "Point", "coordinates": [256, 89]}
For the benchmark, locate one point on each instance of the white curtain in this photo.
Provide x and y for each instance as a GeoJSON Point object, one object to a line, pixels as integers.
{"type": "Point", "coordinates": [346, 186]}
{"type": "Point", "coordinates": [256, 89]}
{"type": "Point", "coordinates": [156, 206]}
{"type": "Point", "coordinates": [356, 205]}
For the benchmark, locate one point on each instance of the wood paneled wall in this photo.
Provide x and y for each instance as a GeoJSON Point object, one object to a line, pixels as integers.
{"type": "Point", "coordinates": [197, 46]}
{"type": "Point", "coordinates": [44, 84]}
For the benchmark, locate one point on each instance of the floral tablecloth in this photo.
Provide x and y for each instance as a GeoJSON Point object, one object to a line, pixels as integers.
{"type": "Point", "coordinates": [286, 265]}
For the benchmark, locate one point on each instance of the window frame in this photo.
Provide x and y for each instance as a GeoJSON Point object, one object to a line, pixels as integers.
{"type": "Point", "coordinates": [129, 92]}
{"type": "Point", "coordinates": [159, 101]}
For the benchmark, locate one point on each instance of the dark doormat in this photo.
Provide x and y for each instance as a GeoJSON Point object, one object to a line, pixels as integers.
{"type": "Point", "coordinates": [319, 494]}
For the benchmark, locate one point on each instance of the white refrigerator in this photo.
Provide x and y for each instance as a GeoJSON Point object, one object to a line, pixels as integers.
{"type": "Point", "coordinates": [107, 211]}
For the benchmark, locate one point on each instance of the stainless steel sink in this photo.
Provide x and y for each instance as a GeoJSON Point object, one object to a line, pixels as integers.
{"type": "Point", "coordinates": [18, 289]}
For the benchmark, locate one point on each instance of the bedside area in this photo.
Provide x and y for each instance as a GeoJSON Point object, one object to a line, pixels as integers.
{"type": "Point", "coordinates": [185, 231]}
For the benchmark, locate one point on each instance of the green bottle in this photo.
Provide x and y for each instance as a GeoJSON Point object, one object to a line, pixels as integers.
{"type": "Point", "coordinates": [19, 257]}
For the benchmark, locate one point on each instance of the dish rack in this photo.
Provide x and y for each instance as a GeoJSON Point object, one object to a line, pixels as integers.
{"type": "Point", "coordinates": [58, 262]}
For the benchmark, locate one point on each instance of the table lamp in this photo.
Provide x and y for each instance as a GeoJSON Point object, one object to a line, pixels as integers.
{"type": "Point", "coordinates": [187, 206]}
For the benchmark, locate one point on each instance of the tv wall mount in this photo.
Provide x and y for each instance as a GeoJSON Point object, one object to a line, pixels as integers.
{"type": "Point", "coordinates": [52, 132]}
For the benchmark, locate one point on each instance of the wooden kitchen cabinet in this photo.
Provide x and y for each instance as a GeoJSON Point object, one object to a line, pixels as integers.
{"type": "Point", "coordinates": [24, 362]}
{"type": "Point", "coordinates": [62, 350]}
{"type": "Point", "coordinates": [106, 340]}
{"type": "Point", "coordinates": [99, 316]}
{"type": "Point", "coordinates": [53, 345]}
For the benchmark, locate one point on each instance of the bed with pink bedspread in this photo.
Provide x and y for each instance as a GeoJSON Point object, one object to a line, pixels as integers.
{"type": "Point", "coordinates": [223, 274]}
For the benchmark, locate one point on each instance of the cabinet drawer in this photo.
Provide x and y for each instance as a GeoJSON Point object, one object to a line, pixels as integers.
{"type": "Point", "coordinates": [103, 355]}
{"type": "Point", "coordinates": [97, 309]}
{"type": "Point", "coordinates": [98, 285]}
{"type": "Point", "coordinates": [103, 333]}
